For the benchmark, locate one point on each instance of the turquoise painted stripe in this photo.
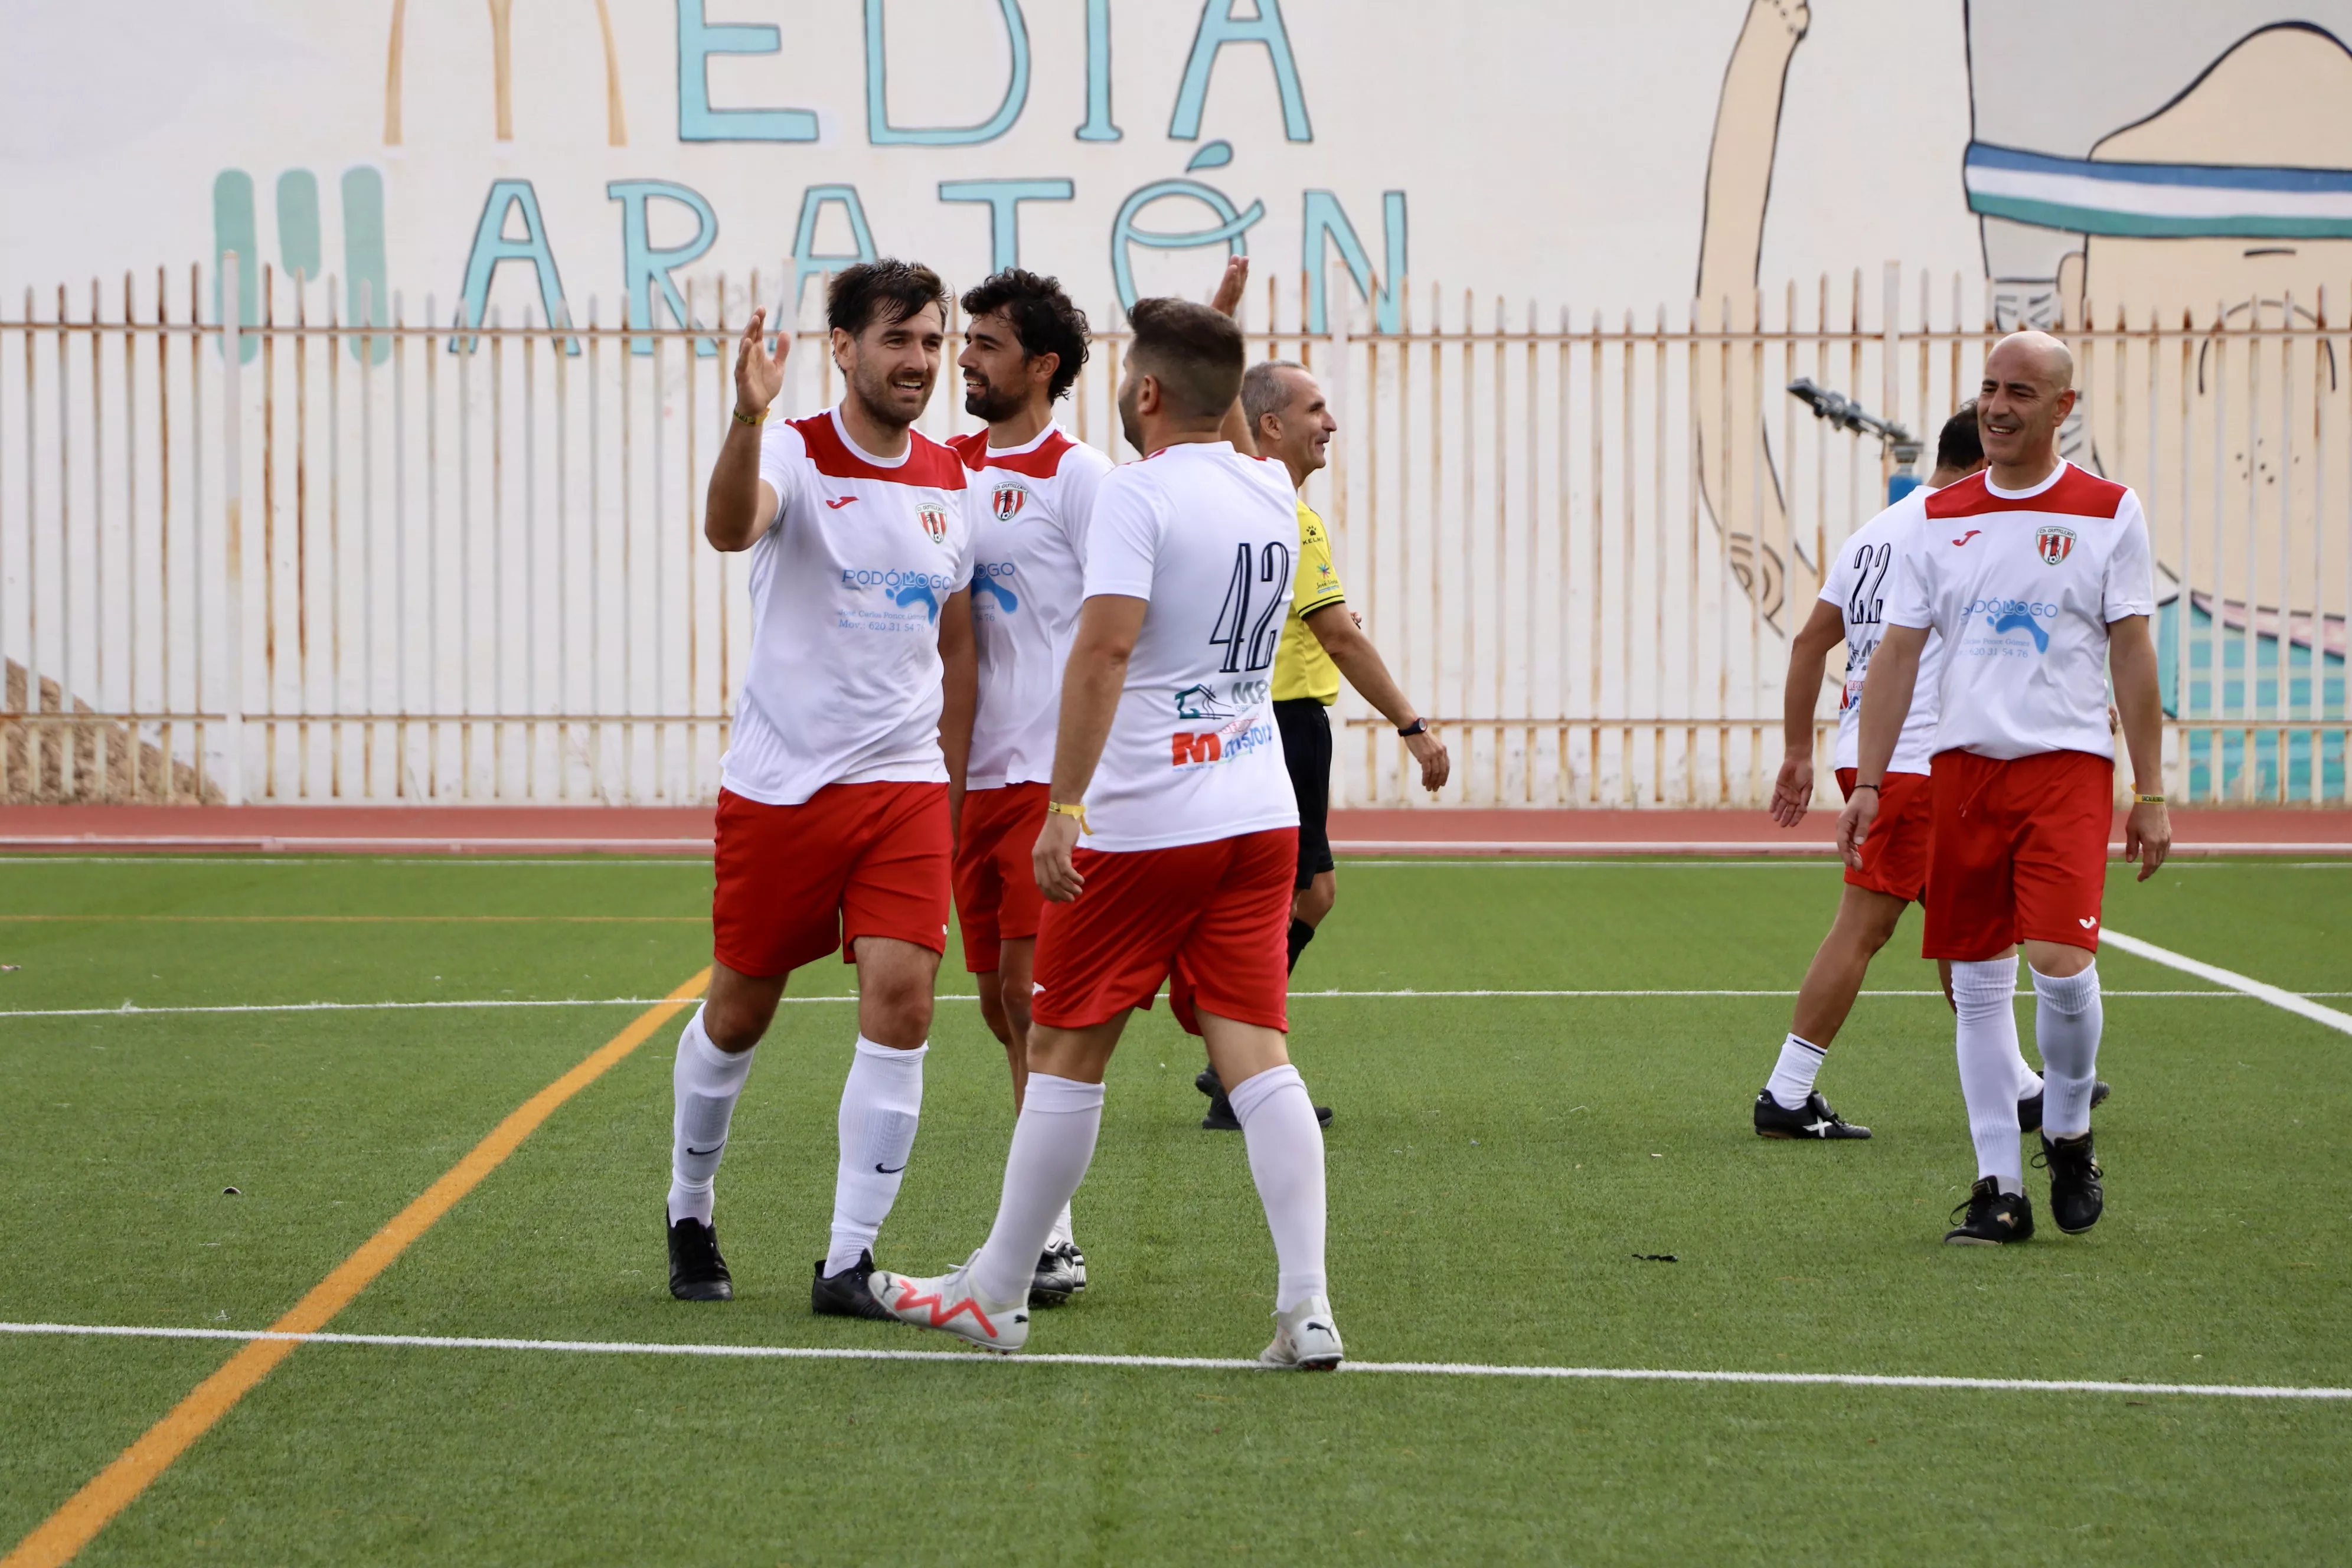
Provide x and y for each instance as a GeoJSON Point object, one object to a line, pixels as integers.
{"type": "Point", "coordinates": [2148, 225]}
{"type": "Point", "coordinates": [232, 230]}
{"type": "Point", "coordinates": [364, 257]}
{"type": "Point", "coordinates": [2209, 177]}
{"type": "Point", "coordinates": [298, 224]}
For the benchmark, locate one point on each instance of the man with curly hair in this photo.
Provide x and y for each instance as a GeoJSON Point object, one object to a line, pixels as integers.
{"type": "Point", "coordinates": [1033, 491]}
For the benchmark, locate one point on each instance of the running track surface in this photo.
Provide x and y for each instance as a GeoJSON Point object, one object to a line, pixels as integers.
{"type": "Point", "coordinates": [685, 830]}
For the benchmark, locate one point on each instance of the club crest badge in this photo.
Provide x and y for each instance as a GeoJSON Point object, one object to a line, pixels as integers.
{"type": "Point", "coordinates": [1008, 500]}
{"type": "Point", "coordinates": [2053, 544]}
{"type": "Point", "coordinates": [935, 520]}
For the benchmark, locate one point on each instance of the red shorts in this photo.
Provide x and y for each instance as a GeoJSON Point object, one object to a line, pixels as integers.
{"type": "Point", "coordinates": [996, 894]}
{"type": "Point", "coordinates": [797, 881]}
{"type": "Point", "coordinates": [1211, 918]}
{"type": "Point", "coordinates": [1894, 856]}
{"type": "Point", "coordinates": [2020, 852]}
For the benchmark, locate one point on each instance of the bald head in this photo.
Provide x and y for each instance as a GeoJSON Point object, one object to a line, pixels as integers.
{"type": "Point", "coordinates": [2037, 355]}
{"type": "Point", "coordinates": [2027, 391]}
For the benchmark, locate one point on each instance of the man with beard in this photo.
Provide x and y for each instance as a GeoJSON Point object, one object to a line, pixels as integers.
{"type": "Point", "coordinates": [1034, 493]}
{"type": "Point", "coordinates": [853, 729]}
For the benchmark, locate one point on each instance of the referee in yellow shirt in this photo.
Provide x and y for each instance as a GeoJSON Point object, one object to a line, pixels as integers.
{"type": "Point", "coordinates": [1291, 422]}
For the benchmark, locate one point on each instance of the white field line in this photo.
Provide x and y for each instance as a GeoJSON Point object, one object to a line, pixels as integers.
{"type": "Point", "coordinates": [1814, 848]}
{"type": "Point", "coordinates": [700, 849]}
{"type": "Point", "coordinates": [2300, 1006]}
{"type": "Point", "coordinates": [1619, 862]}
{"type": "Point", "coordinates": [1703, 863]}
{"type": "Point", "coordinates": [1200, 1363]}
{"type": "Point", "coordinates": [129, 1010]}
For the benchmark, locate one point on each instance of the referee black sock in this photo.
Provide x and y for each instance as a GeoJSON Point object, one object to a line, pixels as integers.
{"type": "Point", "coordinates": [1301, 933]}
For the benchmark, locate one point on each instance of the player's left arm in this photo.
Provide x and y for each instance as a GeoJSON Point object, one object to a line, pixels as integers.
{"type": "Point", "coordinates": [1360, 662]}
{"type": "Point", "coordinates": [2140, 703]}
{"type": "Point", "coordinates": [959, 694]}
{"type": "Point", "coordinates": [2130, 598]}
{"type": "Point", "coordinates": [1109, 625]}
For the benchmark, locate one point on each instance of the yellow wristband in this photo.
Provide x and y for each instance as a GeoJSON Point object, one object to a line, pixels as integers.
{"type": "Point", "coordinates": [2150, 799]}
{"type": "Point", "coordinates": [1060, 808]}
{"type": "Point", "coordinates": [743, 419]}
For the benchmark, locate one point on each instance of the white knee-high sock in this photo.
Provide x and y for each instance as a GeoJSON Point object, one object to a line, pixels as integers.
{"type": "Point", "coordinates": [1983, 992]}
{"type": "Point", "coordinates": [1286, 1156]}
{"type": "Point", "coordinates": [881, 1104]}
{"type": "Point", "coordinates": [2067, 1019]}
{"type": "Point", "coordinates": [1052, 1143]}
{"type": "Point", "coordinates": [704, 1086]}
{"type": "Point", "coordinates": [2029, 1082]}
{"type": "Point", "coordinates": [1061, 1231]}
{"type": "Point", "coordinates": [1791, 1083]}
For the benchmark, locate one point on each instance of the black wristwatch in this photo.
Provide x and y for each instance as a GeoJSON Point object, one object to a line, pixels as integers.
{"type": "Point", "coordinates": [1418, 726]}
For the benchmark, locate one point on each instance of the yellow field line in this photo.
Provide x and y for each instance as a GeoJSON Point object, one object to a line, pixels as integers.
{"type": "Point", "coordinates": [374, 920]}
{"type": "Point", "coordinates": [114, 1489]}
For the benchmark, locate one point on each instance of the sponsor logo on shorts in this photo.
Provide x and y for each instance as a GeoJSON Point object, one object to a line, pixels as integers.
{"type": "Point", "coordinates": [2088, 921]}
{"type": "Point", "coordinates": [2053, 544]}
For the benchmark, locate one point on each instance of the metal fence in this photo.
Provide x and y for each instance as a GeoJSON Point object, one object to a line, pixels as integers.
{"type": "Point", "coordinates": [383, 558]}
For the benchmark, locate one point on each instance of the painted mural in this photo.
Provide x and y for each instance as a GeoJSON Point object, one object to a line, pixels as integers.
{"type": "Point", "coordinates": [2133, 163]}
{"type": "Point", "coordinates": [632, 160]}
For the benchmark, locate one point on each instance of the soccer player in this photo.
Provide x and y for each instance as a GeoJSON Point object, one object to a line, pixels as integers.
{"type": "Point", "coordinates": [854, 723]}
{"type": "Point", "coordinates": [1165, 740]}
{"type": "Point", "coordinates": [1033, 494]}
{"type": "Point", "coordinates": [1290, 421]}
{"type": "Point", "coordinates": [2039, 578]}
{"type": "Point", "coordinates": [1853, 605]}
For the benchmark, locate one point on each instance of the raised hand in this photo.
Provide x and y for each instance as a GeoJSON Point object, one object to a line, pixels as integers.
{"type": "Point", "coordinates": [759, 375]}
{"type": "Point", "coordinates": [1227, 300]}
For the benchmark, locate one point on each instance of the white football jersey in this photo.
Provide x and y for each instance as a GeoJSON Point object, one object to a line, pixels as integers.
{"type": "Point", "coordinates": [2022, 585]}
{"type": "Point", "coordinates": [843, 684]}
{"type": "Point", "coordinates": [1209, 537]}
{"type": "Point", "coordinates": [1030, 506]}
{"type": "Point", "coordinates": [1857, 584]}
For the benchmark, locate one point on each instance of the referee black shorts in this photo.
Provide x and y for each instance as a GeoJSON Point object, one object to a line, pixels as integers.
{"type": "Point", "coordinates": [1305, 726]}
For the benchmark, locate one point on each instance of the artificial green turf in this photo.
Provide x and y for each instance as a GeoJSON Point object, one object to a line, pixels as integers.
{"type": "Point", "coordinates": [1497, 1164]}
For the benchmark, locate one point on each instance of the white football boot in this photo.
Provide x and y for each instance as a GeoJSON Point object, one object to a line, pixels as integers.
{"type": "Point", "coordinates": [948, 1302]}
{"type": "Point", "coordinates": [1306, 1338]}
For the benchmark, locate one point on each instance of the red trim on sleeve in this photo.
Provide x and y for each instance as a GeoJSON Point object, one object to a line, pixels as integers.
{"type": "Point", "coordinates": [2075, 494]}
{"type": "Point", "coordinates": [929, 464]}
